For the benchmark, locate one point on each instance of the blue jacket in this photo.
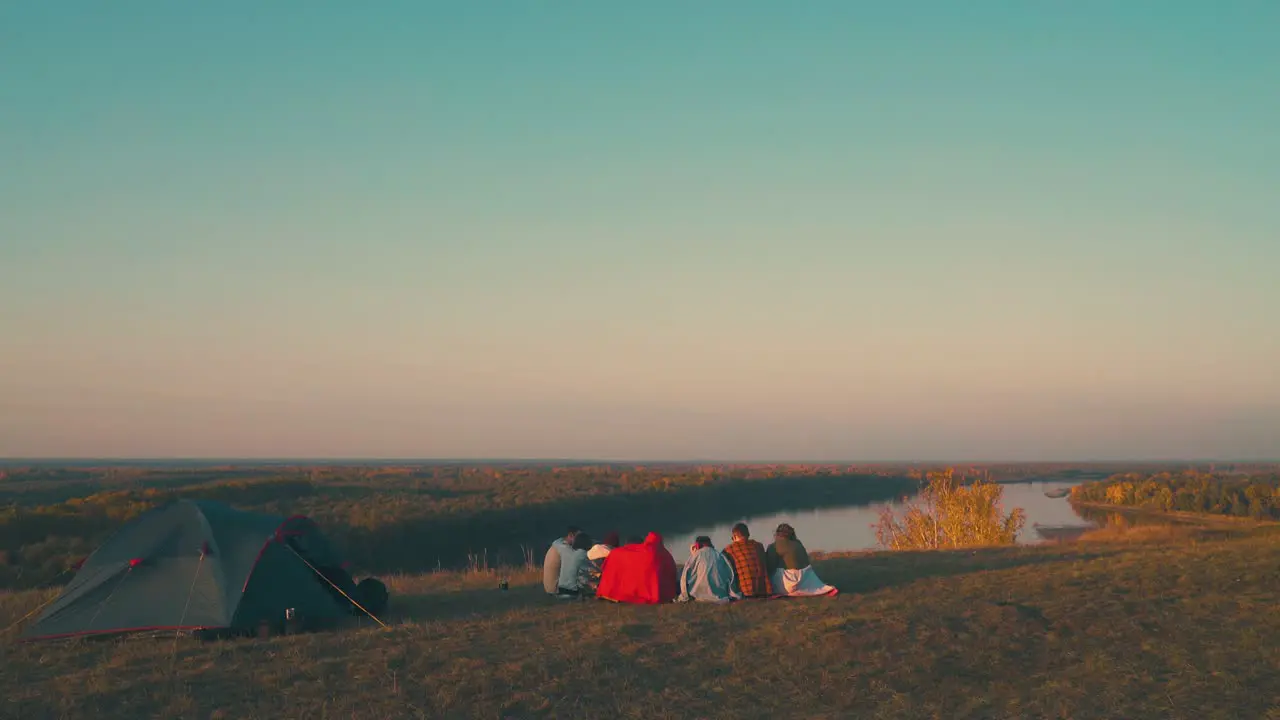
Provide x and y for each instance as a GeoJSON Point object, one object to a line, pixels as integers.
{"type": "Point", "coordinates": [707, 577]}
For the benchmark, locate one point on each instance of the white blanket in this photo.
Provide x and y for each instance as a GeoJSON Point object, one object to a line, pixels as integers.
{"type": "Point", "coordinates": [802, 583]}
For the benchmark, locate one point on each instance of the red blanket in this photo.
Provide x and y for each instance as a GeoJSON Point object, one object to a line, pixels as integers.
{"type": "Point", "coordinates": [643, 574]}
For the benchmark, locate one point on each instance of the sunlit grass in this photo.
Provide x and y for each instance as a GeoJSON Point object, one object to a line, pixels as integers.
{"type": "Point", "coordinates": [1146, 624]}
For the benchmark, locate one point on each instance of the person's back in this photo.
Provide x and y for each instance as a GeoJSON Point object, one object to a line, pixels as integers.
{"type": "Point", "coordinates": [553, 562]}
{"type": "Point", "coordinates": [787, 553]}
{"type": "Point", "coordinates": [707, 577]}
{"type": "Point", "coordinates": [572, 565]}
{"type": "Point", "coordinates": [747, 559]}
{"type": "Point", "coordinates": [643, 573]}
{"type": "Point", "coordinates": [789, 567]}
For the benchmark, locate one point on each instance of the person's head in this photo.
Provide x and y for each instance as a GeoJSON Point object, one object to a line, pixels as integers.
{"type": "Point", "coordinates": [785, 531]}
{"type": "Point", "coordinates": [740, 532]}
{"type": "Point", "coordinates": [702, 541]}
{"type": "Point", "coordinates": [582, 541]}
{"type": "Point", "coordinates": [611, 539]}
{"type": "Point", "coordinates": [573, 533]}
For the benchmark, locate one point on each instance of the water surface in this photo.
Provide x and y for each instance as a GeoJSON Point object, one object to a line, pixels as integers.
{"type": "Point", "coordinates": [852, 527]}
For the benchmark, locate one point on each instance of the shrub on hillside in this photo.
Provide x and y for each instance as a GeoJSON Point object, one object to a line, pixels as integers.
{"type": "Point", "coordinates": [950, 514]}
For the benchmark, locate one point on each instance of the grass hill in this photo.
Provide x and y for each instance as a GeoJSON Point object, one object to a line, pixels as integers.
{"type": "Point", "coordinates": [1146, 623]}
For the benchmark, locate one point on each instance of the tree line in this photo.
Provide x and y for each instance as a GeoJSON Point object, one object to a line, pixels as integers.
{"type": "Point", "coordinates": [408, 519]}
{"type": "Point", "coordinates": [1255, 495]}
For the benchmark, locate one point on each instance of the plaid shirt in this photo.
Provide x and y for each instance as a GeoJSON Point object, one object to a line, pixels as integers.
{"type": "Point", "coordinates": [749, 568]}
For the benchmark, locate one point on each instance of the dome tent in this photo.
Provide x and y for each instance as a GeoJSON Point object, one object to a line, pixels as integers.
{"type": "Point", "coordinates": [197, 565]}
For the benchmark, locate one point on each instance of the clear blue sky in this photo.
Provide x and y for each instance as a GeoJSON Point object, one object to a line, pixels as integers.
{"type": "Point", "coordinates": [739, 230]}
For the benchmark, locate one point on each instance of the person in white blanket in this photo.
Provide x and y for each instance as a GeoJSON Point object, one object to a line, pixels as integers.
{"type": "Point", "coordinates": [789, 567]}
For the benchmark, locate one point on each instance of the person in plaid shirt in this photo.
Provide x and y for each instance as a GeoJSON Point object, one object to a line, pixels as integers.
{"type": "Point", "coordinates": [747, 557]}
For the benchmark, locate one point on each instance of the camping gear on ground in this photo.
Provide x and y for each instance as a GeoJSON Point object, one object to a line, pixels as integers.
{"type": "Point", "coordinates": [203, 566]}
{"type": "Point", "coordinates": [372, 595]}
{"type": "Point", "coordinates": [643, 574]}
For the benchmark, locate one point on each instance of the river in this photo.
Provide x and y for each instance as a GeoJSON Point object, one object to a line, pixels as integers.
{"type": "Point", "coordinates": [852, 527]}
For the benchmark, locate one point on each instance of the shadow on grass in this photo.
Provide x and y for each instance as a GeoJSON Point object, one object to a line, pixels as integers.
{"type": "Point", "coordinates": [852, 574]}
{"type": "Point", "coordinates": [870, 572]}
{"type": "Point", "coordinates": [444, 606]}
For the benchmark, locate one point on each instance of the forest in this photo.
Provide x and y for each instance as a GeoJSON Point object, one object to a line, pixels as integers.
{"type": "Point", "coordinates": [407, 518]}
{"type": "Point", "coordinates": [1240, 494]}
{"type": "Point", "coordinates": [389, 519]}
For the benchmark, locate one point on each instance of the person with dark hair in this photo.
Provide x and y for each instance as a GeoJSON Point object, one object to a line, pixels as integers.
{"type": "Point", "coordinates": [746, 558]}
{"type": "Point", "coordinates": [786, 551]}
{"type": "Point", "coordinates": [789, 567]}
{"type": "Point", "coordinates": [707, 577]}
{"type": "Point", "coordinates": [553, 562]}
{"type": "Point", "coordinates": [569, 583]}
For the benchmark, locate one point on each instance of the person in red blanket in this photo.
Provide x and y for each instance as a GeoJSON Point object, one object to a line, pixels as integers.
{"type": "Point", "coordinates": [644, 573]}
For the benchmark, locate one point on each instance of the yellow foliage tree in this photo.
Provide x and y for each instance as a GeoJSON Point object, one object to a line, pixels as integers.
{"type": "Point", "coordinates": [949, 514]}
{"type": "Point", "coordinates": [1116, 493]}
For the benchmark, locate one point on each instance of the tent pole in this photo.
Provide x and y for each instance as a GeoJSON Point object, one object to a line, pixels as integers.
{"type": "Point", "coordinates": [38, 608]}
{"type": "Point", "coordinates": [335, 587]}
{"type": "Point", "coordinates": [173, 654]}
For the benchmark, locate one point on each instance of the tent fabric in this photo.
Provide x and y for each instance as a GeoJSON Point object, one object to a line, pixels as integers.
{"type": "Point", "coordinates": [642, 573]}
{"type": "Point", "coordinates": [707, 577]}
{"type": "Point", "coordinates": [194, 564]}
{"type": "Point", "coordinates": [800, 583]}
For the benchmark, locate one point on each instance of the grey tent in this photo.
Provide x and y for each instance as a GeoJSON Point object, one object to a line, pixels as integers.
{"type": "Point", "coordinates": [198, 565]}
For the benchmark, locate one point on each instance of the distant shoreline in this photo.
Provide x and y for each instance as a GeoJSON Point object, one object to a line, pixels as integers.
{"type": "Point", "coordinates": [1196, 517]}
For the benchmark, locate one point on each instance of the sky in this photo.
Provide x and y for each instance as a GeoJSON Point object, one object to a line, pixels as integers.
{"type": "Point", "coordinates": [720, 230]}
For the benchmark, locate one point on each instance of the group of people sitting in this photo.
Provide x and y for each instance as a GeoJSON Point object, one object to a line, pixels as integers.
{"type": "Point", "coordinates": [643, 570]}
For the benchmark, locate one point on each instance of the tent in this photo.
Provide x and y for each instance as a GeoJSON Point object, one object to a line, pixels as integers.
{"type": "Point", "coordinates": [199, 565]}
{"type": "Point", "coordinates": [643, 573]}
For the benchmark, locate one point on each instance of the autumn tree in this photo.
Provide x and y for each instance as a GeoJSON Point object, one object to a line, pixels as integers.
{"type": "Point", "coordinates": [951, 514]}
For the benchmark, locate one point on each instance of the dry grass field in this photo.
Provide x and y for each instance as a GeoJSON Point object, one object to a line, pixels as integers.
{"type": "Point", "coordinates": [1171, 623]}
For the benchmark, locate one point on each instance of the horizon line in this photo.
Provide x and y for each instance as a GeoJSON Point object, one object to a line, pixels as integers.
{"type": "Point", "coordinates": [352, 460]}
